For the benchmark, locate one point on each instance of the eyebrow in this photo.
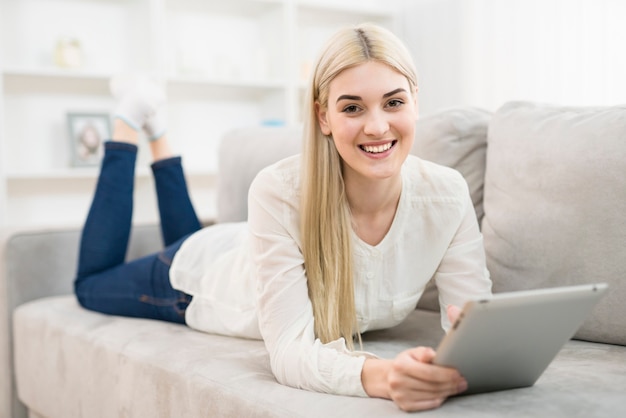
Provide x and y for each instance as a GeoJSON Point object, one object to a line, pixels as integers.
{"type": "Point", "coordinates": [350, 97]}
{"type": "Point", "coordinates": [391, 93]}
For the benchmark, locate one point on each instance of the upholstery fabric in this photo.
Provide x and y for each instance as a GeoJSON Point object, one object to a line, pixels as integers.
{"type": "Point", "coordinates": [457, 138]}
{"type": "Point", "coordinates": [555, 205]}
{"type": "Point", "coordinates": [41, 263]}
{"type": "Point", "coordinates": [242, 154]}
{"type": "Point", "coordinates": [95, 365]}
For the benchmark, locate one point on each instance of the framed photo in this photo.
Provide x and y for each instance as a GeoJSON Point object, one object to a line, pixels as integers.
{"type": "Point", "coordinates": [87, 132]}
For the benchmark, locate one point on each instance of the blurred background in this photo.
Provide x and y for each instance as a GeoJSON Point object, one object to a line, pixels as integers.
{"type": "Point", "coordinates": [227, 64]}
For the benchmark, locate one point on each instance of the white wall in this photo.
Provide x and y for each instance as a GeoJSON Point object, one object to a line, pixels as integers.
{"type": "Point", "coordinates": [487, 52]}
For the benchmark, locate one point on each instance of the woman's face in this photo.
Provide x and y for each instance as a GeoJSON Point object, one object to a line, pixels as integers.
{"type": "Point", "coordinates": [371, 116]}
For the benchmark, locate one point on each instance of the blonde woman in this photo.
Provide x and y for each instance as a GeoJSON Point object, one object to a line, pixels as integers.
{"type": "Point", "coordinates": [340, 240]}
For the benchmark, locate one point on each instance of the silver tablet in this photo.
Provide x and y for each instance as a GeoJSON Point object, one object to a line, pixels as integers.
{"type": "Point", "coordinates": [508, 340]}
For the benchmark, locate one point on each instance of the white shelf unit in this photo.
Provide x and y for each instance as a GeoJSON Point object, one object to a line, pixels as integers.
{"type": "Point", "coordinates": [224, 65]}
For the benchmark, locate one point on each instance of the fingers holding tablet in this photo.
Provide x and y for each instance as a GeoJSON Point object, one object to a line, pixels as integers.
{"type": "Point", "coordinates": [415, 383]}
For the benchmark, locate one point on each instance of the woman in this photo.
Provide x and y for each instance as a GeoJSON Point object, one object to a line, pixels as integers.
{"type": "Point", "coordinates": [339, 241]}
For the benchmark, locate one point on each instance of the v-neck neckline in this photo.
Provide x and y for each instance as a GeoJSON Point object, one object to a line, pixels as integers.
{"type": "Point", "coordinates": [394, 223]}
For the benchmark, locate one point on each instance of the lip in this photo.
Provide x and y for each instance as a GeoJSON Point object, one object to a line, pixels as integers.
{"type": "Point", "coordinates": [377, 155]}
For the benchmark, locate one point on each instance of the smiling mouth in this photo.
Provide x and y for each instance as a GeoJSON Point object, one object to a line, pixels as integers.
{"type": "Point", "coordinates": [377, 149]}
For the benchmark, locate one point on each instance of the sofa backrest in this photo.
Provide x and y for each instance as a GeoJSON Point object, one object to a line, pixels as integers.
{"type": "Point", "coordinates": [242, 154]}
{"type": "Point", "coordinates": [455, 137]}
{"type": "Point", "coordinates": [43, 263]}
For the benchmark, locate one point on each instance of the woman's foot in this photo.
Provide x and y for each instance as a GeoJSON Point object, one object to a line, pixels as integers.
{"type": "Point", "coordinates": [142, 105]}
{"type": "Point", "coordinates": [139, 101]}
{"type": "Point", "coordinates": [156, 124]}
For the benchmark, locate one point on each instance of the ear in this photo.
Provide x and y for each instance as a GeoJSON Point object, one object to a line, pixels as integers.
{"type": "Point", "coordinates": [322, 118]}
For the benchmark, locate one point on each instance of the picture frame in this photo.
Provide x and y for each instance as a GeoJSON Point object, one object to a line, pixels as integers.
{"type": "Point", "coordinates": [87, 133]}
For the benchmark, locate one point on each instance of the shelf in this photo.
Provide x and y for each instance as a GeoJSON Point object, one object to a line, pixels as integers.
{"type": "Point", "coordinates": [202, 40]}
{"type": "Point", "coordinates": [59, 174]}
{"type": "Point", "coordinates": [249, 8]}
{"type": "Point", "coordinates": [57, 81]}
{"type": "Point", "coordinates": [87, 173]}
{"type": "Point", "coordinates": [53, 81]}
{"type": "Point", "coordinates": [332, 14]}
{"type": "Point", "coordinates": [32, 32]}
{"type": "Point", "coordinates": [203, 88]}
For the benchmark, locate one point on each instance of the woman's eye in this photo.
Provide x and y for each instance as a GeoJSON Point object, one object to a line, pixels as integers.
{"type": "Point", "coordinates": [395, 103]}
{"type": "Point", "coordinates": [351, 109]}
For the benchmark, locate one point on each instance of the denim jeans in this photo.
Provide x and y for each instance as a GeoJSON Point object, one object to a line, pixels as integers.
{"type": "Point", "coordinates": [141, 288]}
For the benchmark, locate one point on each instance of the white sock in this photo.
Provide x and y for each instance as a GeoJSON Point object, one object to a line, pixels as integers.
{"type": "Point", "coordinates": [156, 124]}
{"type": "Point", "coordinates": [138, 99]}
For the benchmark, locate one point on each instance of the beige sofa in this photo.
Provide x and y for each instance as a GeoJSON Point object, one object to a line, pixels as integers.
{"type": "Point", "coordinates": [548, 184]}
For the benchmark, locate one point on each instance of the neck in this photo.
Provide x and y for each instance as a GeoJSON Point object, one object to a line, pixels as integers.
{"type": "Point", "coordinates": [371, 197]}
{"type": "Point", "coordinates": [373, 206]}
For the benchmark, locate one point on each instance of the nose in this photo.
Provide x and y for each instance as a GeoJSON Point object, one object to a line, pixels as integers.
{"type": "Point", "coordinates": [376, 123]}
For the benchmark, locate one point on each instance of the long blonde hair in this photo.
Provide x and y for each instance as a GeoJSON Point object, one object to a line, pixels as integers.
{"type": "Point", "coordinates": [326, 224]}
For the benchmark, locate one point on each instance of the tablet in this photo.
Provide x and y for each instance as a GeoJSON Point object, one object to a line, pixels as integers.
{"type": "Point", "coordinates": [509, 339]}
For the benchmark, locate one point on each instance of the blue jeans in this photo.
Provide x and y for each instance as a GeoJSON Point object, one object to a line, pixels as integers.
{"type": "Point", "coordinates": [105, 282]}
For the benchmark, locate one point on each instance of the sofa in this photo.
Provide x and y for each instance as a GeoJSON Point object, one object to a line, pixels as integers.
{"type": "Point", "coordinates": [548, 184]}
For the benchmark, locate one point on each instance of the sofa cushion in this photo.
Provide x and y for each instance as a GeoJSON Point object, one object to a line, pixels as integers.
{"type": "Point", "coordinates": [457, 138]}
{"type": "Point", "coordinates": [242, 154]}
{"type": "Point", "coordinates": [96, 365]}
{"type": "Point", "coordinates": [555, 205]}
{"type": "Point", "coordinates": [75, 363]}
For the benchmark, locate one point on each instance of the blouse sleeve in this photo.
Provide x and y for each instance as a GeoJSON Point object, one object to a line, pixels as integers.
{"type": "Point", "coordinates": [462, 274]}
{"type": "Point", "coordinates": [285, 311]}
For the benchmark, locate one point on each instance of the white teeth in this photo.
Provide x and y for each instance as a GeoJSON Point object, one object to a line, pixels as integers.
{"type": "Point", "coordinates": [376, 149]}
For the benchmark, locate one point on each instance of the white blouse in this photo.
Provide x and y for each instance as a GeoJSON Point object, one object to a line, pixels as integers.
{"type": "Point", "coordinates": [248, 279]}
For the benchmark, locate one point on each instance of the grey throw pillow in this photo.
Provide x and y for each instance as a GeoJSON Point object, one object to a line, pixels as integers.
{"type": "Point", "coordinates": [457, 138]}
{"type": "Point", "coordinates": [555, 205]}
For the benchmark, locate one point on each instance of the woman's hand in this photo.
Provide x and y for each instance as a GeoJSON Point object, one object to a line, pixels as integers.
{"type": "Point", "coordinates": [411, 380]}
{"type": "Point", "coordinates": [416, 384]}
{"type": "Point", "coordinates": [453, 313]}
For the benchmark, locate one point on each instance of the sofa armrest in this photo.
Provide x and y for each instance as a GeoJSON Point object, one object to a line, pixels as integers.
{"type": "Point", "coordinates": [39, 263]}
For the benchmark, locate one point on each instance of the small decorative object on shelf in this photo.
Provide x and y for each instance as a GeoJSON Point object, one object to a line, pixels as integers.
{"type": "Point", "coordinates": [87, 132]}
{"type": "Point", "coordinates": [68, 53]}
